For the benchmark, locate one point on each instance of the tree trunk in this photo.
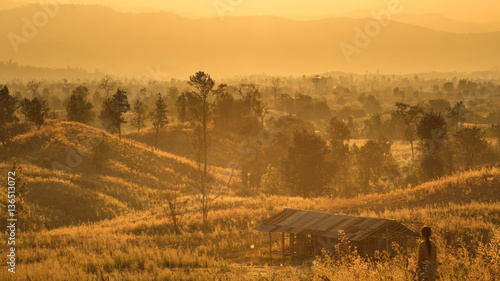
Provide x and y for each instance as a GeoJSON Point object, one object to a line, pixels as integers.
{"type": "Point", "coordinates": [204, 175]}
{"type": "Point", "coordinates": [412, 153]}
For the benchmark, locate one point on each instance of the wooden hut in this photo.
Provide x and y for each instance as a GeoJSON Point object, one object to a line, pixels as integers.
{"type": "Point", "coordinates": [306, 233]}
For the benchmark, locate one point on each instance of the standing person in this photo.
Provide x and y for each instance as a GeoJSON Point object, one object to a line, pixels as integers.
{"type": "Point", "coordinates": [427, 256]}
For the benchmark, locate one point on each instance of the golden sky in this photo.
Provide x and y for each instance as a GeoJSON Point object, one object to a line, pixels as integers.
{"type": "Point", "coordinates": [463, 10]}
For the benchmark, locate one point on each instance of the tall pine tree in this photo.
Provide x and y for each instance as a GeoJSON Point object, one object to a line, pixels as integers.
{"type": "Point", "coordinates": [159, 116]}
{"type": "Point", "coordinates": [78, 108]}
{"type": "Point", "coordinates": [112, 111]}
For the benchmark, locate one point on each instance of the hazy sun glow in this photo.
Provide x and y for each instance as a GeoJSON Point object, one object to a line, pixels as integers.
{"type": "Point", "coordinates": [464, 10]}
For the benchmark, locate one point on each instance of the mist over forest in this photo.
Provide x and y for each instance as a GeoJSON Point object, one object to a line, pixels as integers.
{"type": "Point", "coordinates": [131, 43]}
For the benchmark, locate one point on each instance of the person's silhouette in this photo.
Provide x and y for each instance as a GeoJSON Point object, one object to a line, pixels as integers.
{"type": "Point", "coordinates": [427, 256]}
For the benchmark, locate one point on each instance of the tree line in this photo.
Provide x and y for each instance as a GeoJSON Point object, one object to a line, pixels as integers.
{"type": "Point", "coordinates": [80, 109]}
{"type": "Point", "coordinates": [298, 159]}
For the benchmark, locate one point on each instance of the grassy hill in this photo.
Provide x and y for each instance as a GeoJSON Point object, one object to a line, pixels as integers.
{"type": "Point", "coordinates": [141, 245]}
{"type": "Point", "coordinates": [65, 187]}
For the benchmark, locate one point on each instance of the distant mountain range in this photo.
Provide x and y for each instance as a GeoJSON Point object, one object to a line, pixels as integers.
{"type": "Point", "coordinates": [433, 21]}
{"type": "Point", "coordinates": [164, 45]}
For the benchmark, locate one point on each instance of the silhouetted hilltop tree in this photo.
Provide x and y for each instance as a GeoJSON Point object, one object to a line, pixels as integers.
{"type": "Point", "coordinates": [9, 105]}
{"type": "Point", "coordinates": [35, 110]}
{"type": "Point", "coordinates": [112, 111]}
{"type": "Point", "coordinates": [159, 116]}
{"type": "Point", "coordinates": [78, 109]}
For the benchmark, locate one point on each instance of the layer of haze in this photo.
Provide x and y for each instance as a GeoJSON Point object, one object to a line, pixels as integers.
{"type": "Point", "coordinates": [463, 10]}
{"type": "Point", "coordinates": [149, 43]}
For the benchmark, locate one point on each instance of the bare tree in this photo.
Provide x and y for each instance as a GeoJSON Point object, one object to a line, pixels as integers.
{"type": "Point", "coordinates": [159, 116]}
{"type": "Point", "coordinates": [202, 82]}
{"type": "Point", "coordinates": [107, 84]}
{"type": "Point", "coordinates": [33, 86]}
{"type": "Point", "coordinates": [251, 97]}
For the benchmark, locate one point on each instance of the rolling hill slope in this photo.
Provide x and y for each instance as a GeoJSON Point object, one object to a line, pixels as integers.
{"type": "Point", "coordinates": [67, 188]}
{"type": "Point", "coordinates": [178, 140]}
{"type": "Point", "coordinates": [142, 245]}
{"type": "Point", "coordinates": [462, 188]}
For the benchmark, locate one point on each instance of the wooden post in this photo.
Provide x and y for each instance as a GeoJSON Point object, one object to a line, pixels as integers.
{"type": "Point", "coordinates": [270, 247]}
{"type": "Point", "coordinates": [314, 245]}
{"type": "Point", "coordinates": [283, 243]}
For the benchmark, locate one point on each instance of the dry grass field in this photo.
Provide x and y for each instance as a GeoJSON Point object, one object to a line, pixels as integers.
{"type": "Point", "coordinates": [86, 225]}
